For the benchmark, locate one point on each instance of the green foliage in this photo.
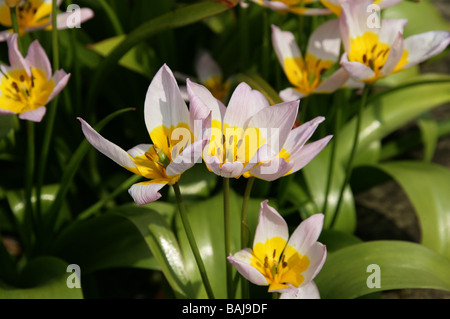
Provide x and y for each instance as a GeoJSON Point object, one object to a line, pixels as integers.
{"type": "Point", "coordinates": [83, 215]}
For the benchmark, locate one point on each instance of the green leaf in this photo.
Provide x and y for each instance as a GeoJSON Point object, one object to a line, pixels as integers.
{"type": "Point", "coordinates": [141, 59]}
{"type": "Point", "coordinates": [316, 177]}
{"type": "Point", "coordinates": [196, 183]}
{"type": "Point", "coordinates": [16, 201]}
{"type": "Point", "coordinates": [173, 19]}
{"type": "Point", "coordinates": [429, 129]}
{"type": "Point", "coordinates": [207, 223]}
{"type": "Point", "coordinates": [428, 187]}
{"type": "Point", "coordinates": [163, 244]}
{"type": "Point", "coordinates": [423, 16]}
{"type": "Point", "coordinates": [69, 173]}
{"type": "Point", "coordinates": [44, 277]}
{"type": "Point", "coordinates": [391, 109]}
{"type": "Point", "coordinates": [335, 240]}
{"type": "Point", "coordinates": [402, 265]}
{"type": "Point", "coordinates": [102, 242]}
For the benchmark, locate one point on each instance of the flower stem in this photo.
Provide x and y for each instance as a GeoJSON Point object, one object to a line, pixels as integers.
{"type": "Point", "coordinates": [112, 17]}
{"type": "Point", "coordinates": [337, 121]}
{"type": "Point", "coordinates": [99, 204]}
{"type": "Point", "coordinates": [353, 152]}
{"type": "Point", "coordinates": [191, 239]}
{"type": "Point", "coordinates": [244, 229]}
{"type": "Point", "coordinates": [29, 173]}
{"type": "Point", "coordinates": [303, 109]}
{"type": "Point", "coordinates": [50, 118]}
{"type": "Point", "coordinates": [227, 230]}
{"type": "Point", "coordinates": [15, 25]}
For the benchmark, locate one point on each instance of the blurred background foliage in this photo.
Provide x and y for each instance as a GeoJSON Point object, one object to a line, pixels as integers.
{"type": "Point", "coordinates": [126, 251]}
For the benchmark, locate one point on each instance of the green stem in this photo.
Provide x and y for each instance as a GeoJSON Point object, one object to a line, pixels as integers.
{"type": "Point", "coordinates": [244, 38]}
{"type": "Point", "coordinates": [55, 47]}
{"type": "Point", "coordinates": [353, 151]}
{"type": "Point", "coordinates": [122, 187]}
{"type": "Point", "coordinates": [29, 173]}
{"type": "Point", "coordinates": [15, 25]}
{"type": "Point", "coordinates": [244, 226]}
{"type": "Point", "coordinates": [303, 107]}
{"type": "Point", "coordinates": [191, 239]}
{"type": "Point", "coordinates": [266, 50]}
{"type": "Point", "coordinates": [227, 230]}
{"type": "Point", "coordinates": [112, 17]}
{"type": "Point", "coordinates": [51, 114]}
{"type": "Point", "coordinates": [337, 121]}
{"type": "Point", "coordinates": [244, 229]}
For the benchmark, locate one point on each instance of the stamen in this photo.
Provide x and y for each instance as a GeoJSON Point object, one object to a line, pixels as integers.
{"type": "Point", "coordinates": [274, 253]}
{"type": "Point", "coordinates": [266, 262]}
{"type": "Point", "coordinates": [22, 78]}
{"type": "Point", "coordinates": [15, 86]}
{"type": "Point", "coordinates": [364, 58]}
{"type": "Point", "coordinates": [148, 156]}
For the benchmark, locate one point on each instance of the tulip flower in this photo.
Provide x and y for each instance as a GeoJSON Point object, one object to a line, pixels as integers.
{"type": "Point", "coordinates": [171, 127]}
{"type": "Point", "coordinates": [373, 53]}
{"type": "Point", "coordinates": [27, 85]}
{"type": "Point", "coordinates": [307, 74]}
{"type": "Point", "coordinates": [285, 264]}
{"type": "Point", "coordinates": [335, 5]}
{"type": "Point", "coordinates": [295, 6]}
{"type": "Point", "coordinates": [246, 132]}
{"type": "Point", "coordinates": [210, 75]}
{"type": "Point", "coordinates": [35, 15]}
{"type": "Point", "coordinates": [294, 154]}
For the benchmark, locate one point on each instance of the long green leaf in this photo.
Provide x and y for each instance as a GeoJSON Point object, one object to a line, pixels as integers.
{"type": "Point", "coordinates": [207, 222]}
{"type": "Point", "coordinates": [423, 16]}
{"type": "Point", "coordinates": [70, 171]}
{"type": "Point", "coordinates": [388, 111]}
{"type": "Point", "coordinates": [164, 246]}
{"type": "Point", "coordinates": [102, 242]}
{"type": "Point", "coordinates": [385, 112]}
{"type": "Point", "coordinates": [316, 176]}
{"type": "Point", "coordinates": [44, 277]}
{"type": "Point", "coordinates": [401, 265]}
{"type": "Point", "coordinates": [428, 187]}
{"type": "Point", "coordinates": [173, 19]}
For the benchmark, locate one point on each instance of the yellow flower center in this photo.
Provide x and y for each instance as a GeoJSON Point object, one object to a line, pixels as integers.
{"type": "Point", "coordinates": [231, 144]}
{"type": "Point", "coordinates": [34, 13]}
{"type": "Point", "coordinates": [168, 144]}
{"type": "Point", "coordinates": [279, 263]}
{"type": "Point", "coordinates": [217, 87]}
{"type": "Point", "coordinates": [306, 74]}
{"type": "Point", "coordinates": [21, 92]}
{"type": "Point", "coordinates": [368, 50]}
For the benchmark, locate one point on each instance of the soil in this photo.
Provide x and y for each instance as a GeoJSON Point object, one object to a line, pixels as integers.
{"type": "Point", "coordinates": [385, 212]}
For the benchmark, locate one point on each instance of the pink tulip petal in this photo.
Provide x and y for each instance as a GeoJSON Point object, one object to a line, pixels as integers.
{"type": "Point", "coordinates": [270, 225]}
{"type": "Point", "coordinates": [34, 115]}
{"type": "Point", "coordinates": [241, 260]}
{"type": "Point", "coordinates": [146, 192]}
